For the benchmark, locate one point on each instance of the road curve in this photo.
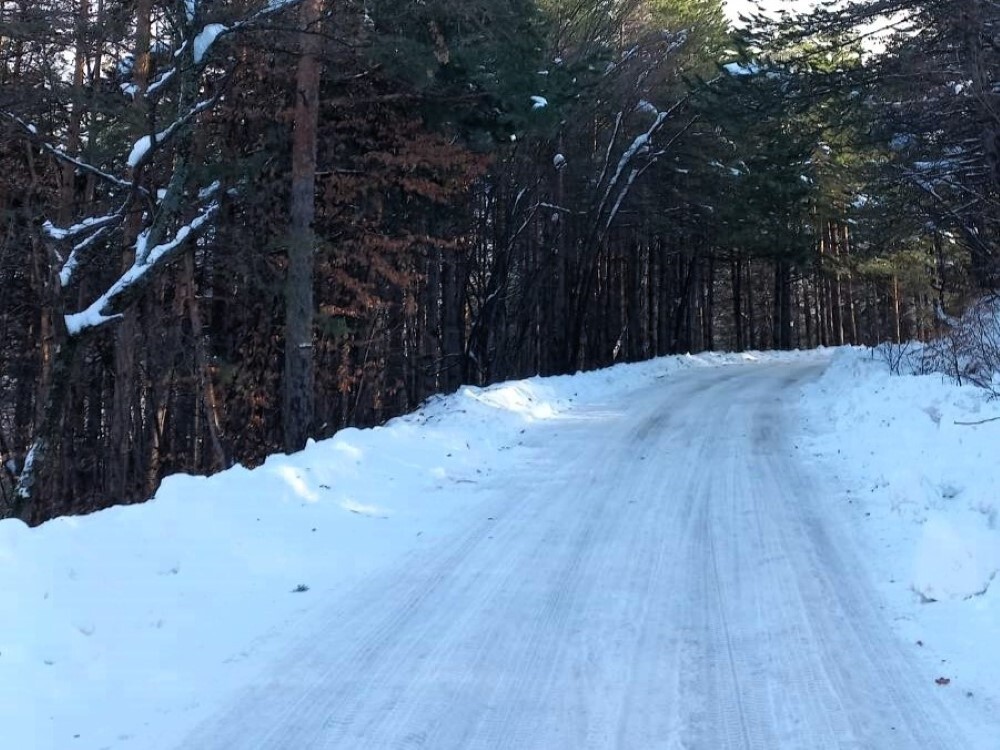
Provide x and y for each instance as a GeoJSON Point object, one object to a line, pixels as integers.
{"type": "Point", "coordinates": [659, 575]}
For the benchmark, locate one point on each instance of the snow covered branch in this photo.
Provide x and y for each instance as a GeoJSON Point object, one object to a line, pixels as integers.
{"type": "Point", "coordinates": [640, 144]}
{"type": "Point", "coordinates": [144, 148]}
{"type": "Point", "coordinates": [109, 306]}
{"type": "Point", "coordinates": [91, 229]}
{"type": "Point", "coordinates": [61, 155]}
{"type": "Point", "coordinates": [190, 62]}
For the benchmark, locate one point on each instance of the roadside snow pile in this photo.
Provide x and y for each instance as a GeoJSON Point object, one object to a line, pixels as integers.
{"type": "Point", "coordinates": [918, 458]}
{"type": "Point", "coordinates": [969, 351]}
{"type": "Point", "coordinates": [956, 558]}
{"type": "Point", "coordinates": [112, 626]}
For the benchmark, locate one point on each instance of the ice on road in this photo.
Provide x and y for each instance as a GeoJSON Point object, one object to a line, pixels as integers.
{"type": "Point", "coordinates": [660, 573]}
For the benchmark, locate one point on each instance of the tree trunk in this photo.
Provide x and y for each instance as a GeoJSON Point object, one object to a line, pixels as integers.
{"type": "Point", "coordinates": [787, 321]}
{"type": "Point", "coordinates": [38, 464]}
{"type": "Point", "coordinates": [852, 315]}
{"type": "Point", "coordinates": [298, 389]}
{"type": "Point", "coordinates": [737, 286]}
{"type": "Point", "coordinates": [708, 337]}
{"type": "Point", "coordinates": [452, 303]}
{"type": "Point", "coordinates": [835, 296]}
{"type": "Point", "coordinates": [807, 313]}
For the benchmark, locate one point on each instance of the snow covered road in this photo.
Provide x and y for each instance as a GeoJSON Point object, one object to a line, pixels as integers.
{"type": "Point", "coordinates": [659, 573]}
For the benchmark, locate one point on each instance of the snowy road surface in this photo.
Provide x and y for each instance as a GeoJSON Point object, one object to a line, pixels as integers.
{"type": "Point", "coordinates": [660, 574]}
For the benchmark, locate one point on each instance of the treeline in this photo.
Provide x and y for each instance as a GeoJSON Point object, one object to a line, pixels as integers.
{"type": "Point", "coordinates": [230, 226]}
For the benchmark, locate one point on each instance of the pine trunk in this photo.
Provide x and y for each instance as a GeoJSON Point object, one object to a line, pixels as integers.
{"type": "Point", "coordinates": [297, 391]}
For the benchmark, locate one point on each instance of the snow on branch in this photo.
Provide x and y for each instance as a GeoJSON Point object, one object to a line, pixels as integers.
{"type": "Point", "coordinates": [640, 142]}
{"type": "Point", "coordinates": [90, 224]}
{"type": "Point", "coordinates": [201, 44]}
{"type": "Point", "coordinates": [205, 39]}
{"type": "Point", "coordinates": [106, 308]}
{"type": "Point", "coordinates": [68, 270]}
{"type": "Point", "coordinates": [196, 45]}
{"type": "Point", "coordinates": [621, 197]}
{"type": "Point", "coordinates": [91, 229]}
{"type": "Point", "coordinates": [273, 8]}
{"type": "Point", "coordinates": [638, 171]}
{"type": "Point", "coordinates": [611, 144]}
{"type": "Point", "coordinates": [201, 41]}
{"type": "Point", "coordinates": [57, 152]}
{"type": "Point", "coordinates": [161, 80]}
{"type": "Point", "coordinates": [143, 148]}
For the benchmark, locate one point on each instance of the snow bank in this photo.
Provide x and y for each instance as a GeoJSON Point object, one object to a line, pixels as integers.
{"type": "Point", "coordinates": [113, 625]}
{"type": "Point", "coordinates": [916, 456]}
{"type": "Point", "coordinates": [969, 351]}
{"type": "Point", "coordinates": [956, 558]}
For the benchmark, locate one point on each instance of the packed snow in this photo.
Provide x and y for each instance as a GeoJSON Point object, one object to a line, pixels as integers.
{"type": "Point", "coordinates": [126, 628]}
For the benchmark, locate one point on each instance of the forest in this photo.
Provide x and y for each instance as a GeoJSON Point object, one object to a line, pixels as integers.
{"type": "Point", "coordinates": [231, 226]}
